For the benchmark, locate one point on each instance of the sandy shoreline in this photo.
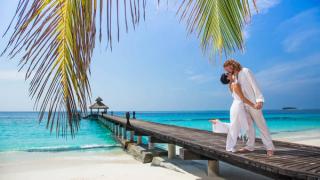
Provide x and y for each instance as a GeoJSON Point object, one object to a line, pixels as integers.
{"type": "Point", "coordinates": [104, 165]}
{"type": "Point", "coordinates": [308, 137]}
{"type": "Point", "coordinates": [118, 165]}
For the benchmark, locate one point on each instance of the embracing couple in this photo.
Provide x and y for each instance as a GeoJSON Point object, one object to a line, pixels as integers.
{"type": "Point", "coordinates": [246, 109]}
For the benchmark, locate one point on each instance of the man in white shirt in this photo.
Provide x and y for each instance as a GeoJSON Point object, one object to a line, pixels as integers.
{"type": "Point", "coordinates": [251, 91]}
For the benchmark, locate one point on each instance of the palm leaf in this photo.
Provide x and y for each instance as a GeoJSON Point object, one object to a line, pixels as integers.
{"type": "Point", "coordinates": [57, 38]}
{"type": "Point", "coordinates": [219, 23]}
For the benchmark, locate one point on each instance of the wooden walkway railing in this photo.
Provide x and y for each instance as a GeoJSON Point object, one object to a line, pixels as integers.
{"type": "Point", "coordinates": [290, 161]}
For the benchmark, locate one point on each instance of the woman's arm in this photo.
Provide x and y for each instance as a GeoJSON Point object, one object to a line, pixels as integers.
{"type": "Point", "coordinates": [238, 91]}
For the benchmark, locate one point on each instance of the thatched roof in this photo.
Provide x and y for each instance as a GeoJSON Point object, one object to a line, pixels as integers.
{"type": "Point", "coordinates": [99, 99]}
{"type": "Point", "coordinates": [98, 104]}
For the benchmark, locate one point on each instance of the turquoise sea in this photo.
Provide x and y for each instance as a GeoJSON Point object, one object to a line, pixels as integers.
{"type": "Point", "coordinates": [20, 131]}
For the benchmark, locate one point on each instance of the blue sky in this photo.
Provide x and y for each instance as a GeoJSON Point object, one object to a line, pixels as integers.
{"type": "Point", "coordinates": [159, 67]}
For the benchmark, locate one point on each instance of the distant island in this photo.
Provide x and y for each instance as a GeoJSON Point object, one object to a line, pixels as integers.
{"type": "Point", "coordinates": [289, 108]}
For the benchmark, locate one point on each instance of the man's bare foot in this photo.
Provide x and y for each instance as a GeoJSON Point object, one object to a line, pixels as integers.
{"type": "Point", "coordinates": [243, 150]}
{"type": "Point", "coordinates": [214, 121]}
{"type": "Point", "coordinates": [269, 153]}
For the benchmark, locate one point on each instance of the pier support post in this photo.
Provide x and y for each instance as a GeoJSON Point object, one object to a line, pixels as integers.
{"type": "Point", "coordinates": [171, 151]}
{"type": "Point", "coordinates": [150, 143]}
{"type": "Point", "coordinates": [119, 131]}
{"type": "Point", "coordinates": [213, 168]}
{"type": "Point", "coordinates": [116, 130]}
{"type": "Point", "coordinates": [139, 140]}
{"type": "Point", "coordinates": [124, 133]}
{"type": "Point", "coordinates": [131, 136]}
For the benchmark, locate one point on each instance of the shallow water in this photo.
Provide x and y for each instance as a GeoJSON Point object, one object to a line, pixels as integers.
{"type": "Point", "coordinates": [20, 131]}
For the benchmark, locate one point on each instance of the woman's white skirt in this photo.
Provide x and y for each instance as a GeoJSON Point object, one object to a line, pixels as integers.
{"type": "Point", "coordinates": [238, 125]}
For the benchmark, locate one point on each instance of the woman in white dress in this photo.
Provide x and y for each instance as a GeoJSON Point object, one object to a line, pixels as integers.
{"type": "Point", "coordinates": [238, 117]}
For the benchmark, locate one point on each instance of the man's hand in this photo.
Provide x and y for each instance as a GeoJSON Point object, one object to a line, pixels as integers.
{"type": "Point", "coordinates": [259, 105]}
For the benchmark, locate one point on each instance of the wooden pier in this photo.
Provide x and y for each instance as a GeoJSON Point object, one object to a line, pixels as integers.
{"type": "Point", "coordinates": [290, 161]}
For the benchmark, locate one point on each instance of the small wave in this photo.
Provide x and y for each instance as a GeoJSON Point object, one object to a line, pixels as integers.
{"type": "Point", "coordinates": [71, 148]}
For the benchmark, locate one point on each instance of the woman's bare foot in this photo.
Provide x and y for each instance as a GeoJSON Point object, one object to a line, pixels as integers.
{"type": "Point", "coordinates": [214, 121]}
{"type": "Point", "coordinates": [269, 153]}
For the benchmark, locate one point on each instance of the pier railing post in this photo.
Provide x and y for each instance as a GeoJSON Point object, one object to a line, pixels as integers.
{"type": "Point", "coordinates": [134, 115]}
{"type": "Point", "coordinates": [213, 168]}
{"type": "Point", "coordinates": [128, 118]}
{"type": "Point", "coordinates": [171, 151]}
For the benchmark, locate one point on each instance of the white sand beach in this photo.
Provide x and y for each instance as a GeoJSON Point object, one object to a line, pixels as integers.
{"type": "Point", "coordinates": [308, 137]}
{"type": "Point", "coordinates": [103, 165]}
{"type": "Point", "coordinates": [82, 165]}
{"type": "Point", "coordinates": [118, 165]}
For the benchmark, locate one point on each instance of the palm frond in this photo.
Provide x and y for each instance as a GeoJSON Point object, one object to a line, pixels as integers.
{"type": "Point", "coordinates": [57, 38]}
{"type": "Point", "coordinates": [218, 23]}
{"type": "Point", "coordinates": [129, 10]}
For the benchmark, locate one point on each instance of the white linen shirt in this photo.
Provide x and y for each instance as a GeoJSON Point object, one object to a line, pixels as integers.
{"type": "Point", "coordinates": [249, 86]}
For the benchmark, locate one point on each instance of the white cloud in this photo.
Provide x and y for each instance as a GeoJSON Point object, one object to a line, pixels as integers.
{"type": "Point", "coordinates": [301, 29]}
{"type": "Point", "coordinates": [301, 18]}
{"type": "Point", "coordinates": [11, 75]}
{"type": "Point", "coordinates": [291, 75]}
{"type": "Point", "coordinates": [292, 42]}
{"type": "Point", "coordinates": [246, 33]}
{"type": "Point", "coordinates": [263, 6]}
{"type": "Point", "coordinates": [189, 72]}
{"type": "Point", "coordinates": [198, 77]}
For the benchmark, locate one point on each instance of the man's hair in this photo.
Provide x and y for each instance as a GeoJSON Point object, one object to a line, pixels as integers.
{"type": "Point", "coordinates": [235, 64]}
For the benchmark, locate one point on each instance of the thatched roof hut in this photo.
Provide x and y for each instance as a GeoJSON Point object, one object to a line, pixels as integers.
{"type": "Point", "coordinates": [99, 105]}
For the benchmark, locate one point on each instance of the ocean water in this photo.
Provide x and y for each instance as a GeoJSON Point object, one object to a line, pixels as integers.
{"type": "Point", "coordinates": [20, 131]}
{"type": "Point", "coordinates": [277, 120]}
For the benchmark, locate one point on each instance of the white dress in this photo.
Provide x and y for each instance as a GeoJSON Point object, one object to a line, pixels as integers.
{"type": "Point", "coordinates": [238, 123]}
